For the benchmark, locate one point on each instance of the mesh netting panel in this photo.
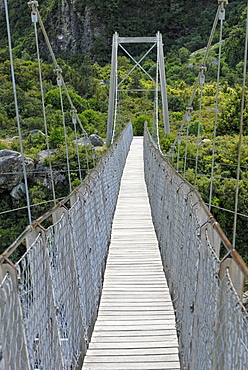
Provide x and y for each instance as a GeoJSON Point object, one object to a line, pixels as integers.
{"type": "Point", "coordinates": [12, 338]}
{"type": "Point", "coordinates": [66, 292]}
{"type": "Point", "coordinates": [39, 315]}
{"type": "Point", "coordinates": [211, 322]}
{"type": "Point", "coordinates": [49, 300]}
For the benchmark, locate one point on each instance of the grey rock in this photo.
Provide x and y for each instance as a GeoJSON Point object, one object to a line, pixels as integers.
{"type": "Point", "coordinates": [96, 140]}
{"type": "Point", "coordinates": [81, 141]}
{"type": "Point", "coordinates": [11, 169]}
{"type": "Point", "coordinates": [18, 191]}
{"type": "Point", "coordinates": [36, 132]}
{"type": "Point", "coordinates": [204, 141]}
{"type": "Point", "coordinates": [42, 175]}
{"type": "Point", "coordinates": [43, 154]}
{"type": "Point", "coordinates": [58, 178]}
{"type": "Point", "coordinates": [75, 30]}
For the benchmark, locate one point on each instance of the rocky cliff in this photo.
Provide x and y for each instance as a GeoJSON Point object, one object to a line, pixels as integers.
{"type": "Point", "coordinates": [73, 30]}
{"type": "Point", "coordinates": [84, 26]}
{"type": "Point", "coordinates": [87, 26]}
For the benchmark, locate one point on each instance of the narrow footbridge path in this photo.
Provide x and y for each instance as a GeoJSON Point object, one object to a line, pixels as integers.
{"type": "Point", "coordinates": [135, 328]}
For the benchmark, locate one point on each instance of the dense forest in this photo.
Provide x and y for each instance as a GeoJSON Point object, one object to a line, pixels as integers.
{"type": "Point", "coordinates": [81, 32]}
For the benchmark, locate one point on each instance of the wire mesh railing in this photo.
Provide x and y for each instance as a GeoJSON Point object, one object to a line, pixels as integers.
{"type": "Point", "coordinates": [49, 298]}
{"type": "Point", "coordinates": [211, 321]}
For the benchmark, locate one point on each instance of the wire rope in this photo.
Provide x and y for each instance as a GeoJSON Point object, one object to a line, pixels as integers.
{"type": "Point", "coordinates": [34, 4]}
{"type": "Point", "coordinates": [17, 112]}
{"type": "Point", "coordinates": [74, 121]}
{"type": "Point", "coordinates": [41, 171]}
{"type": "Point", "coordinates": [186, 149]}
{"type": "Point", "coordinates": [240, 135]}
{"type": "Point", "coordinates": [206, 52]}
{"type": "Point", "coordinates": [156, 99]}
{"type": "Point", "coordinates": [216, 177]}
{"type": "Point", "coordinates": [154, 117]}
{"type": "Point", "coordinates": [34, 20]}
{"type": "Point", "coordinates": [219, 163]}
{"type": "Point", "coordinates": [116, 103]}
{"type": "Point", "coordinates": [32, 205]}
{"type": "Point", "coordinates": [188, 119]}
{"type": "Point", "coordinates": [222, 18]}
{"type": "Point", "coordinates": [178, 150]}
{"type": "Point", "coordinates": [203, 62]}
{"type": "Point", "coordinates": [229, 210]}
{"type": "Point", "coordinates": [64, 128]}
{"type": "Point", "coordinates": [202, 81]}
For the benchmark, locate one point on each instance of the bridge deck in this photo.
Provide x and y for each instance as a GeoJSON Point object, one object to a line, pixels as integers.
{"type": "Point", "coordinates": [135, 328]}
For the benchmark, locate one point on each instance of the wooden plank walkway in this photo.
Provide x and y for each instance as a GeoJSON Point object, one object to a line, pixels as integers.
{"type": "Point", "coordinates": [135, 328]}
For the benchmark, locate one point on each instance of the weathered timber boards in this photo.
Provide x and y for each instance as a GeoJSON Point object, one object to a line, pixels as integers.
{"type": "Point", "coordinates": [135, 328]}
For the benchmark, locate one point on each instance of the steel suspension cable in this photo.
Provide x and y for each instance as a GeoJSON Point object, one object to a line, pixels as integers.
{"type": "Point", "coordinates": [74, 121]}
{"type": "Point", "coordinates": [34, 4]}
{"type": "Point", "coordinates": [240, 134]}
{"type": "Point", "coordinates": [17, 112]}
{"type": "Point", "coordinates": [64, 127]}
{"type": "Point", "coordinates": [116, 102]}
{"type": "Point", "coordinates": [202, 81]}
{"type": "Point", "coordinates": [207, 51]}
{"type": "Point", "coordinates": [156, 100]}
{"type": "Point", "coordinates": [187, 118]}
{"type": "Point", "coordinates": [220, 7]}
{"type": "Point", "coordinates": [178, 150]}
{"type": "Point", "coordinates": [186, 149]}
{"type": "Point", "coordinates": [34, 20]}
{"type": "Point", "coordinates": [222, 18]}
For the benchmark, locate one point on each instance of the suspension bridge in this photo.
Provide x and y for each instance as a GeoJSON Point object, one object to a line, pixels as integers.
{"type": "Point", "coordinates": [127, 275]}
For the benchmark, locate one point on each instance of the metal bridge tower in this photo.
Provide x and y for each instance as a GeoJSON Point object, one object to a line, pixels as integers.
{"type": "Point", "coordinates": [115, 85]}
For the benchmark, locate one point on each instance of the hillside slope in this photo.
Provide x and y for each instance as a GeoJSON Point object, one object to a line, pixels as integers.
{"type": "Point", "coordinates": [86, 26]}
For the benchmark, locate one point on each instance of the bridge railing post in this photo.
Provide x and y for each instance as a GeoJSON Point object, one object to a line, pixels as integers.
{"type": "Point", "coordinates": [236, 275]}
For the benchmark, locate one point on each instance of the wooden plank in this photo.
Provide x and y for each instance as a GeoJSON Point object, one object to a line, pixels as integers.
{"type": "Point", "coordinates": [170, 334]}
{"type": "Point", "coordinates": [138, 340]}
{"type": "Point", "coordinates": [130, 351]}
{"type": "Point", "coordinates": [133, 366]}
{"type": "Point", "coordinates": [171, 348]}
{"type": "Point", "coordinates": [136, 327]}
{"type": "Point", "coordinates": [131, 358]}
{"type": "Point", "coordinates": [135, 307]}
{"type": "Point", "coordinates": [137, 317]}
{"type": "Point", "coordinates": [130, 326]}
{"type": "Point", "coordinates": [139, 299]}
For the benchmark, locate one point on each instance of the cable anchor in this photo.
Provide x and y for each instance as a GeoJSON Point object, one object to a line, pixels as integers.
{"type": "Point", "coordinates": [58, 71]}
{"type": "Point", "coordinates": [222, 13]}
{"type": "Point", "coordinates": [33, 3]}
{"type": "Point", "coordinates": [189, 110]}
{"type": "Point", "coordinates": [34, 16]}
{"type": "Point", "coordinates": [74, 115]}
{"type": "Point", "coordinates": [202, 74]}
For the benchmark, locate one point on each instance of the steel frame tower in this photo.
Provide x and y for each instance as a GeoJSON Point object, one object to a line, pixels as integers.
{"type": "Point", "coordinates": [114, 85]}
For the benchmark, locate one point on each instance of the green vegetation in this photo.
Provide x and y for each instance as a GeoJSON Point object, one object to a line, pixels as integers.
{"type": "Point", "coordinates": [87, 76]}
